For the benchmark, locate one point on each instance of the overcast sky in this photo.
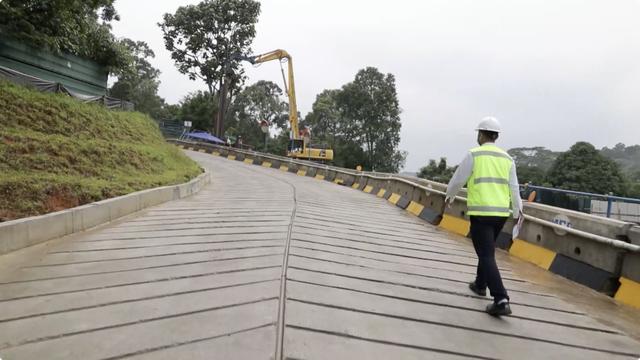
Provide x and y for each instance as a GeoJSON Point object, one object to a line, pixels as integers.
{"type": "Point", "coordinates": [553, 72]}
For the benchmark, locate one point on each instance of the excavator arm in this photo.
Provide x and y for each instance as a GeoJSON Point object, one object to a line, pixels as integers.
{"type": "Point", "coordinates": [290, 87]}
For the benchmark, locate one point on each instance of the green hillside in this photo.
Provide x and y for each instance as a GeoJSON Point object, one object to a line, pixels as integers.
{"type": "Point", "coordinates": [56, 153]}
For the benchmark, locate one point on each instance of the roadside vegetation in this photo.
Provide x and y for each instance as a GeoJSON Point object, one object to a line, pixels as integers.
{"type": "Point", "coordinates": [57, 153]}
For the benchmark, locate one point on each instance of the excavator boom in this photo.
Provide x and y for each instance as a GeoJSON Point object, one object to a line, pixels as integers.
{"type": "Point", "coordinates": [290, 87]}
{"type": "Point", "coordinates": [298, 147]}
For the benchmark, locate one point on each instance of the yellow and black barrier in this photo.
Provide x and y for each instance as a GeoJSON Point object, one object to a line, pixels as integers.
{"type": "Point", "coordinates": [615, 271]}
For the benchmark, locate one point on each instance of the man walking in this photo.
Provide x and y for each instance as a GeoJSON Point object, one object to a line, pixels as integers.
{"type": "Point", "coordinates": [492, 196]}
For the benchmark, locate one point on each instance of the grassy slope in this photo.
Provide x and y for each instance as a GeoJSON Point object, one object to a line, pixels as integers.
{"type": "Point", "coordinates": [56, 152]}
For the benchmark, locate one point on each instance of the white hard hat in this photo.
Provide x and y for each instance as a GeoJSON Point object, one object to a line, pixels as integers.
{"type": "Point", "coordinates": [489, 123]}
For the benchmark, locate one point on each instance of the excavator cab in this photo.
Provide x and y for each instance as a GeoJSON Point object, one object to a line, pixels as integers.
{"type": "Point", "coordinates": [295, 146]}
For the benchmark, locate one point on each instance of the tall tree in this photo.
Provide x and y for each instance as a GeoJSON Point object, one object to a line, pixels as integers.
{"type": "Point", "coordinates": [325, 118]}
{"type": "Point", "coordinates": [328, 125]}
{"type": "Point", "coordinates": [139, 82]}
{"type": "Point", "coordinates": [204, 40]}
{"type": "Point", "coordinates": [79, 27]}
{"type": "Point", "coordinates": [583, 168]}
{"type": "Point", "coordinates": [371, 113]}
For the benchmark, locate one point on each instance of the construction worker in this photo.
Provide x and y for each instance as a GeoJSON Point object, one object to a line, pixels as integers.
{"type": "Point", "coordinates": [492, 196]}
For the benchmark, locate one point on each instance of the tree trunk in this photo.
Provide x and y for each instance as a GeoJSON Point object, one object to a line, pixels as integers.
{"type": "Point", "coordinates": [219, 126]}
{"type": "Point", "coordinates": [214, 115]}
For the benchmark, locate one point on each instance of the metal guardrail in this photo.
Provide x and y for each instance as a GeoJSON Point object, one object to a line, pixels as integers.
{"type": "Point", "coordinates": [610, 199]}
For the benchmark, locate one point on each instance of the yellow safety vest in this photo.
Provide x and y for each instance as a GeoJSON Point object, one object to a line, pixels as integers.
{"type": "Point", "coordinates": [488, 192]}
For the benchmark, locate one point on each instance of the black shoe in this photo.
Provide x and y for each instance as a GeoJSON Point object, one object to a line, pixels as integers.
{"type": "Point", "coordinates": [477, 290]}
{"type": "Point", "coordinates": [499, 309]}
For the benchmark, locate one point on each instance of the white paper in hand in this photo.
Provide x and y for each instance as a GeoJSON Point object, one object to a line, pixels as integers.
{"type": "Point", "coordinates": [517, 227]}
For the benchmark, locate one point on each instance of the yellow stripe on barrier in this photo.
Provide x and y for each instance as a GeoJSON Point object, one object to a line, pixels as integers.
{"type": "Point", "coordinates": [532, 253]}
{"type": "Point", "coordinates": [394, 198]}
{"type": "Point", "coordinates": [215, 153]}
{"type": "Point", "coordinates": [628, 292]}
{"type": "Point", "coordinates": [301, 173]}
{"type": "Point", "coordinates": [368, 189]}
{"type": "Point", "coordinates": [231, 157]}
{"type": "Point", "coordinates": [355, 185]}
{"type": "Point", "coordinates": [338, 181]}
{"type": "Point", "coordinates": [248, 161]}
{"type": "Point", "coordinates": [320, 177]}
{"type": "Point", "coordinates": [456, 225]}
{"type": "Point", "coordinates": [415, 208]}
{"type": "Point", "coordinates": [381, 193]}
{"type": "Point", "coordinates": [284, 168]}
{"type": "Point", "coordinates": [266, 164]}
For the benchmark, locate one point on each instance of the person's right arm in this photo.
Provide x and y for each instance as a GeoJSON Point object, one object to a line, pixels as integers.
{"type": "Point", "coordinates": [516, 202]}
{"type": "Point", "coordinates": [460, 178]}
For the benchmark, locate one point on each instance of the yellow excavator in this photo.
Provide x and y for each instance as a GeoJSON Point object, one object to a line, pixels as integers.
{"type": "Point", "coordinates": [299, 140]}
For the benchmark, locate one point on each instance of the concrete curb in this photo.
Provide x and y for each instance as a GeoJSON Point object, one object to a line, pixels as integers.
{"type": "Point", "coordinates": [21, 233]}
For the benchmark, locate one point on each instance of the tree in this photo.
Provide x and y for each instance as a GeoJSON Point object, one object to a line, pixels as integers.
{"type": "Point", "coordinates": [531, 175]}
{"type": "Point", "coordinates": [583, 168]}
{"type": "Point", "coordinates": [78, 27]}
{"type": "Point", "coordinates": [328, 125]}
{"type": "Point", "coordinates": [438, 172]}
{"type": "Point", "coordinates": [139, 82]}
{"type": "Point", "coordinates": [197, 107]}
{"type": "Point", "coordinates": [277, 144]}
{"type": "Point", "coordinates": [325, 118]}
{"type": "Point", "coordinates": [371, 117]}
{"type": "Point", "coordinates": [170, 112]}
{"type": "Point", "coordinates": [204, 40]}
{"type": "Point", "coordinates": [259, 102]}
{"type": "Point", "coordinates": [628, 157]}
{"type": "Point", "coordinates": [633, 190]}
{"type": "Point", "coordinates": [262, 101]}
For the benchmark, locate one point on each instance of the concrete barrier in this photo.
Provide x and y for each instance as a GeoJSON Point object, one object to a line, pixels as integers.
{"type": "Point", "coordinates": [600, 253]}
{"type": "Point", "coordinates": [21, 233]}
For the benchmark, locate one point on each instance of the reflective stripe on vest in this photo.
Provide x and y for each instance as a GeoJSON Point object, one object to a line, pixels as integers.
{"type": "Point", "coordinates": [488, 187]}
{"type": "Point", "coordinates": [489, 209]}
{"type": "Point", "coordinates": [489, 153]}
{"type": "Point", "coordinates": [490, 180]}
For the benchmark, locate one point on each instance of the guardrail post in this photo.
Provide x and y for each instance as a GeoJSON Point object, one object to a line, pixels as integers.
{"type": "Point", "coordinates": [609, 205]}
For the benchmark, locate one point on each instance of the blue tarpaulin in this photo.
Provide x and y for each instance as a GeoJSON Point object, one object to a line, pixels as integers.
{"type": "Point", "coordinates": [201, 135]}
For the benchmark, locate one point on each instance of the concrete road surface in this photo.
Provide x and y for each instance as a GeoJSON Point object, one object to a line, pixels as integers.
{"type": "Point", "coordinates": [264, 264]}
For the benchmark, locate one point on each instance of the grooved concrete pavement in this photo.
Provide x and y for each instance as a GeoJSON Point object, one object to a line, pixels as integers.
{"type": "Point", "coordinates": [202, 278]}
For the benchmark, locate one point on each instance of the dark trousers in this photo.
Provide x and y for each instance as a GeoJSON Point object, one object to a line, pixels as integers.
{"type": "Point", "coordinates": [484, 232]}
